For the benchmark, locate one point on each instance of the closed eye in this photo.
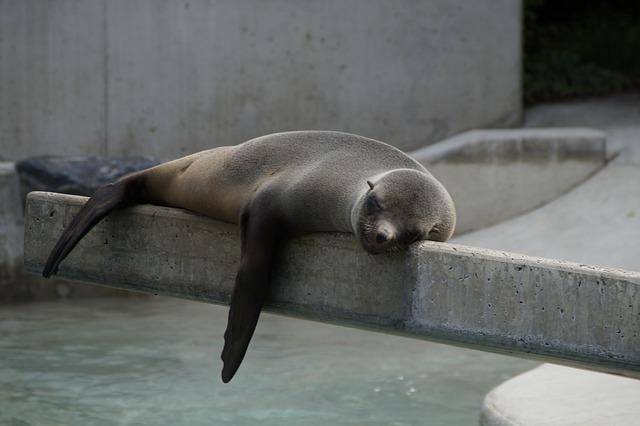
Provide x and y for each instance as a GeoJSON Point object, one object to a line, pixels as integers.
{"type": "Point", "coordinates": [373, 203]}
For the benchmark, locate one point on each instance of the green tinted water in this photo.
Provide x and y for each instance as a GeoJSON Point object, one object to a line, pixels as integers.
{"type": "Point", "coordinates": [156, 362]}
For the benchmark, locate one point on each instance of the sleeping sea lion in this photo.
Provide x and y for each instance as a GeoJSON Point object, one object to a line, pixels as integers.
{"type": "Point", "coordinates": [278, 186]}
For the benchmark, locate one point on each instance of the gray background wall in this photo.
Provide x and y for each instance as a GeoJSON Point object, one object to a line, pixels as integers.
{"type": "Point", "coordinates": [165, 78]}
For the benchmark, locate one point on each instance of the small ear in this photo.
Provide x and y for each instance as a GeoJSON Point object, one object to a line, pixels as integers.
{"type": "Point", "coordinates": [370, 184]}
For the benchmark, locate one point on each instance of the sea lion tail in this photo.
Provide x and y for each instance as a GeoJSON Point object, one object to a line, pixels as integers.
{"type": "Point", "coordinates": [125, 191]}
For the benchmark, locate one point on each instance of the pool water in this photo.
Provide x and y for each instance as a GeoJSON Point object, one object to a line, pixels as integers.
{"type": "Point", "coordinates": [155, 361]}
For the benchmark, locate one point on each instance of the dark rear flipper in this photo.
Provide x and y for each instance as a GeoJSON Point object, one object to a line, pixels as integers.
{"type": "Point", "coordinates": [125, 191]}
{"type": "Point", "coordinates": [262, 237]}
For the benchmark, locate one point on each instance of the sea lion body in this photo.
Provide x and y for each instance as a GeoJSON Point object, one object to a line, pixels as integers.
{"type": "Point", "coordinates": [277, 186]}
{"type": "Point", "coordinates": [315, 176]}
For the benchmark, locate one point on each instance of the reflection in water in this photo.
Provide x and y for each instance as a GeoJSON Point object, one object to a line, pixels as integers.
{"type": "Point", "coordinates": [137, 361]}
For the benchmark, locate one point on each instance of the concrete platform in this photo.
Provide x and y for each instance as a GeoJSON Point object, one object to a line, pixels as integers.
{"type": "Point", "coordinates": [489, 300]}
{"type": "Point", "coordinates": [599, 223]}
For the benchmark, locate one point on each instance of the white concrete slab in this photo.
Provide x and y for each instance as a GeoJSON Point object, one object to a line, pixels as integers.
{"type": "Point", "coordinates": [551, 395]}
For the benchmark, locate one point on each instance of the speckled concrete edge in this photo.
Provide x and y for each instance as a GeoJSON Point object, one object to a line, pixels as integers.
{"type": "Point", "coordinates": [502, 302]}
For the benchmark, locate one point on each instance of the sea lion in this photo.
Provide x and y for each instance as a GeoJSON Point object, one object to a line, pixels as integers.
{"type": "Point", "coordinates": [278, 186]}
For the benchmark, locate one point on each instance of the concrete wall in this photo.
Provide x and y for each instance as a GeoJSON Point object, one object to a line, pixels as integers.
{"type": "Point", "coordinates": [11, 230]}
{"type": "Point", "coordinates": [490, 300]}
{"type": "Point", "coordinates": [494, 175]}
{"type": "Point", "coordinates": [166, 78]}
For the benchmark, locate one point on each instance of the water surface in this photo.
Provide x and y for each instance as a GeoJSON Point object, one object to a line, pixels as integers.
{"type": "Point", "coordinates": [139, 361]}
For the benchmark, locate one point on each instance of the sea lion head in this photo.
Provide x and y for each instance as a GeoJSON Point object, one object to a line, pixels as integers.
{"type": "Point", "coordinates": [400, 207]}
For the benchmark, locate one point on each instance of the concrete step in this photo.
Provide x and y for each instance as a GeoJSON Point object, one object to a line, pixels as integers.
{"type": "Point", "coordinates": [495, 175]}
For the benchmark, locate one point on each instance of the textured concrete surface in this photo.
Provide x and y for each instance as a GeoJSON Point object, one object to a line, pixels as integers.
{"type": "Point", "coordinates": [490, 300]}
{"type": "Point", "coordinates": [551, 395]}
{"type": "Point", "coordinates": [494, 175]}
{"type": "Point", "coordinates": [168, 78]}
{"type": "Point", "coordinates": [598, 222]}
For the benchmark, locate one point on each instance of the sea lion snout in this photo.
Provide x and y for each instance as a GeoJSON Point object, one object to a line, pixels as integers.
{"type": "Point", "coordinates": [401, 207]}
{"type": "Point", "coordinates": [384, 233]}
{"type": "Point", "coordinates": [387, 237]}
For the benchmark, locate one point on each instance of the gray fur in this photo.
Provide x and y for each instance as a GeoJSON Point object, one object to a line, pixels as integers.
{"type": "Point", "coordinates": [318, 182]}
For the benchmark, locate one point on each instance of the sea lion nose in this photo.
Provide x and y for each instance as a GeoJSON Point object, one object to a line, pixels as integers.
{"type": "Point", "coordinates": [382, 237]}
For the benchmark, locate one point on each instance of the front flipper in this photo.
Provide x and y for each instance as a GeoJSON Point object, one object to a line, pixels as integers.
{"type": "Point", "coordinates": [261, 236]}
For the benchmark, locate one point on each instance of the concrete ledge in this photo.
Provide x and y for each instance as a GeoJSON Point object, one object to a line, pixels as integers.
{"type": "Point", "coordinates": [551, 395]}
{"type": "Point", "coordinates": [489, 300]}
{"type": "Point", "coordinates": [494, 175]}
